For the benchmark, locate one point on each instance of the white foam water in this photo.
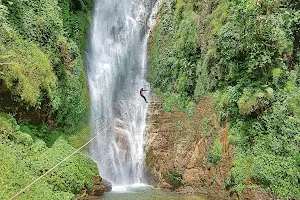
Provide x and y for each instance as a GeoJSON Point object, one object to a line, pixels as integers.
{"type": "Point", "coordinates": [116, 71]}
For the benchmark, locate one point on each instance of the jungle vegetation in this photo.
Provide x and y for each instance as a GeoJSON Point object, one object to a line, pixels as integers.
{"type": "Point", "coordinates": [245, 54]}
{"type": "Point", "coordinates": [42, 71]}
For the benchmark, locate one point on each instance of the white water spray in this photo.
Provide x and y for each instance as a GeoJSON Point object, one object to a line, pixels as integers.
{"type": "Point", "coordinates": [116, 72]}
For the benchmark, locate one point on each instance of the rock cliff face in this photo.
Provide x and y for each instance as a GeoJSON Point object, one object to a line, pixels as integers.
{"type": "Point", "coordinates": [175, 143]}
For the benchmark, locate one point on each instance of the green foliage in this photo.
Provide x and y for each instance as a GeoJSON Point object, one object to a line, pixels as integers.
{"type": "Point", "coordinates": [41, 43]}
{"type": "Point", "coordinates": [225, 102]}
{"type": "Point", "coordinates": [29, 73]}
{"type": "Point", "coordinates": [7, 124]}
{"type": "Point", "coordinates": [179, 10]}
{"type": "Point", "coordinates": [23, 160]}
{"type": "Point", "coordinates": [272, 142]}
{"type": "Point", "coordinates": [217, 152]}
{"type": "Point", "coordinates": [206, 78]}
{"type": "Point", "coordinates": [241, 171]}
{"type": "Point", "coordinates": [257, 102]}
{"type": "Point", "coordinates": [214, 154]}
{"type": "Point", "coordinates": [190, 109]}
{"type": "Point", "coordinates": [174, 178]}
{"type": "Point", "coordinates": [22, 138]}
{"type": "Point", "coordinates": [37, 21]}
{"type": "Point", "coordinates": [70, 176]}
{"type": "Point", "coordinates": [49, 135]}
{"type": "Point", "coordinates": [174, 55]}
{"type": "Point", "coordinates": [73, 96]}
{"type": "Point", "coordinates": [40, 59]}
{"type": "Point", "coordinates": [247, 54]}
{"type": "Point", "coordinates": [209, 158]}
{"type": "Point", "coordinates": [76, 15]}
{"type": "Point", "coordinates": [231, 139]}
{"type": "Point", "coordinates": [219, 17]}
{"type": "Point", "coordinates": [80, 137]}
{"type": "Point", "coordinates": [206, 126]}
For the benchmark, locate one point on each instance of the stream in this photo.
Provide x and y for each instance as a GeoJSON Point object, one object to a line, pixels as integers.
{"type": "Point", "coordinates": [144, 192]}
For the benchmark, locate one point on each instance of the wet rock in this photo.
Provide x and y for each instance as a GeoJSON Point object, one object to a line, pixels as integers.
{"type": "Point", "coordinates": [107, 184]}
{"type": "Point", "coordinates": [100, 186]}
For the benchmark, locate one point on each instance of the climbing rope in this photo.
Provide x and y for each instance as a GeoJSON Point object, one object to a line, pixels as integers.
{"type": "Point", "coordinates": [66, 158]}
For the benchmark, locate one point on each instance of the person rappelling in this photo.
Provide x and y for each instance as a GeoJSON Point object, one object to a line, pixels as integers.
{"type": "Point", "coordinates": [141, 94]}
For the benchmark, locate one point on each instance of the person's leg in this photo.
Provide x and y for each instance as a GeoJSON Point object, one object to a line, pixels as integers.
{"type": "Point", "coordinates": [144, 98]}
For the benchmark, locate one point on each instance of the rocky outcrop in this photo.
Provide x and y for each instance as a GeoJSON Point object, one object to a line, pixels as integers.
{"type": "Point", "coordinates": [176, 143]}
{"type": "Point", "coordinates": [249, 194]}
{"type": "Point", "coordinates": [107, 185]}
{"type": "Point", "coordinates": [100, 186]}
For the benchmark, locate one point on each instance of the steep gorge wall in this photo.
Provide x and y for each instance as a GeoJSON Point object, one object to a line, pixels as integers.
{"type": "Point", "coordinates": [245, 56]}
{"type": "Point", "coordinates": [44, 98]}
{"type": "Point", "coordinates": [178, 144]}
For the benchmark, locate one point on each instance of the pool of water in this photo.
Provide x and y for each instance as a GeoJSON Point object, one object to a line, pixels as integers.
{"type": "Point", "coordinates": [144, 192]}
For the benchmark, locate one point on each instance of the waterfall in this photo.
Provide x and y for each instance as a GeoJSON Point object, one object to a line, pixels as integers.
{"type": "Point", "coordinates": [116, 71]}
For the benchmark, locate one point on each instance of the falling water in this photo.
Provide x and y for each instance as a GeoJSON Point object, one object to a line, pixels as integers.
{"type": "Point", "coordinates": [116, 72]}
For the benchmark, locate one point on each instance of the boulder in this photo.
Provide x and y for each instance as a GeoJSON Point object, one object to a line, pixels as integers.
{"type": "Point", "coordinates": [107, 185]}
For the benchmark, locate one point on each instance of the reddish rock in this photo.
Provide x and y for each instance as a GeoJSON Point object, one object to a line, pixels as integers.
{"type": "Point", "coordinates": [175, 144]}
{"type": "Point", "coordinates": [249, 194]}
{"type": "Point", "coordinates": [193, 175]}
{"type": "Point", "coordinates": [186, 190]}
{"type": "Point", "coordinates": [98, 190]}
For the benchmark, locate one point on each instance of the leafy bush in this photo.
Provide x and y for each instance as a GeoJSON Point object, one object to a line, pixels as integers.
{"type": "Point", "coordinates": [207, 127]}
{"type": "Point", "coordinates": [73, 94]}
{"type": "Point", "coordinates": [178, 75]}
{"type": "Point", "coordinates": [217, 152]}
{"type": "Point", "coordinates": [231, 139]}
{"type": "Point", "coordinates": [29, 73]}
{"type": "Point", "coordinates": [174, 178]}
{"type": "Point", "coordinates": [241, 171]}
{"type": "Point", "coordinates": [6, 126]}
{"type": "Point", "coordinates": [23, 138]}
{"type": "Point", "coordinates": [37, 21]}
{"type": "Point", "coordinates": [257, 102]}
{"type": "Point", "coordinates": [41, 43]}
{"type": "Point", "coordinates": [214, 154]}
{"type": "Point", "coordinates": [42, 39]}
{"type": "Point", "coordinates": [23, 160]}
